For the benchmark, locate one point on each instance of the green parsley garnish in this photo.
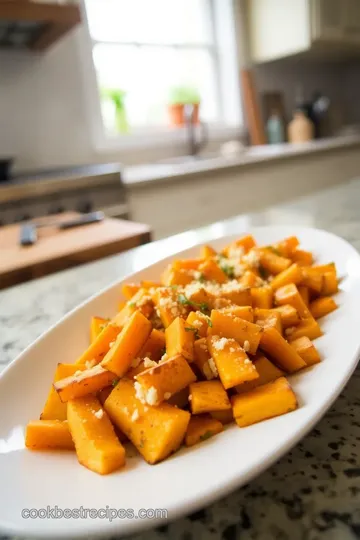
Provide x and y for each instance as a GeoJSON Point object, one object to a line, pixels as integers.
{"type": "Point", "coordinates": [202, 278]}
{"type": "Point", "coordinates": [192, 329]}
{"type": "Point", "coordinates": [209, 321]}
{"type": "Point", "coordinates": [274, 250]}
{"type": "Point", "coordinates": [206, 435]}
{"type": "Point", "coordinates": [228, 270]}
{"type": "Point", "coordinates": [263, 273]}
{"type": "Point", "coordinates": [132, 304]}
{"type": "Point", "coordinates": [114, 383]}
{"type": "Point", "coordinates": [186, 302]}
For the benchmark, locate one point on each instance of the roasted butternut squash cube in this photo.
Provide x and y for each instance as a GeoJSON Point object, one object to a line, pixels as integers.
{"type": "Point", "coordinates": [168, 306]}
{"type": "Point", "coordinates": [305, 294]}
{"type": "Point", "coordinates": [155, 431]}
{"type": "Point", "coordinates": [267, 401]}
{"type": "Point", "coordinates": [165, 379]}
{"type": "Point", "coordinates": [224, 325]}
{"type": "Point", "coordinates": [250, 279]}
{"type": "Point", "coordinates": [289, 315]}
{"type": "Point", "coordinates": [154, 347]}
{"type": "Point", "coordinates": [306, 349]}
{"type": "Point", "coordinates": [287, 246]}
{"type": "Point", "coordinates": [231, 360]}
{"type": "Point", "coordinates": [293, 274]}
{"type": "Point", "coordinates": [96, 325]}
{"type": "Point", "coordinates": [180, 338]}
{"type": "Point", "coordinates": [322, 306]}
{"type": "Point", "coordinates": [272, 263]}
{"type": "Point", "coordinates": [177, 276]}
{"type": "Point", "coordinates": [212, 271]}
{"type": "Point", "coordinates": [101, 344]}
{"type": "Point", "coordinates": [236, 293]}
{"type": "Point", "coordinates": [307, 327]}
{"type": "Point", "coordinates": [48, 435]}
{"type": "Point", "coordinates": [201, 428]}
{"type": "Point", "coordinates": [267, 372]}
{"type": "Point", "coordinates": [289, 294]}
{"type": "Point", "coordinates": [128, 344]}
{"type": "Point", "coordinates": [243, 312]}
{"type": "Point", "coordinates": [225, 417]}
{"type": "Point", "coordinates": [280, 351]}
{"type": "Point", "coordinates": [96, 444]}
{"type": "Point", "coordinates": [129, 290]}
{"type": "Point", "coordinates": [84, 382]}
{"type": "Point", "coordinates": [203, 360]}
{"type": "Point", "coordinates": [199, 321]}
{"type": "Point", "coordinates": [330, 284]}
{"type": "Point", "coordinates": [270, 321]}
{"type": "Point", "coordinates": [54, 408]}
{"type": "Point", "coordinates": [312, 279]}
{"type": "Point", "coordinates": [262, 297]}
{"type": "Point", "coordinates": [207, 252]}
{"type": "Point", "coordinates": [302, 258]}
{"type": "Point", "coordinates": [240, 246]}
{"type": "Point", "coordinates": [141, 301]}
{"type": "Point", "coordinates": [207, 396]}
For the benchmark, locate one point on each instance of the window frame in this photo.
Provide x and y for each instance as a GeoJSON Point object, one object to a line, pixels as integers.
{"type": "Point", "coordinates": [166, 136]}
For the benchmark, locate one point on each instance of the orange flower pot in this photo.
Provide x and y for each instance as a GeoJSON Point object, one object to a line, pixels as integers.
{"type": "Point", "coordinates": [177, 114]}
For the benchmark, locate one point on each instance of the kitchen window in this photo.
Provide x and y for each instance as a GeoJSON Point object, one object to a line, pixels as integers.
{"type": "Point", "coordinates": [147, 53]}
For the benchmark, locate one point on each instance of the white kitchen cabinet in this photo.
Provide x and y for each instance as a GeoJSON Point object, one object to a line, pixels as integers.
{"type": "Point", "coordinates": [283, 28]}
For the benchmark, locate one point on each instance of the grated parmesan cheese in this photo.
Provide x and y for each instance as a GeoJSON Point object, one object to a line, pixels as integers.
{"type": "Point", "coordinates": [99, 414]}
{"type": "Point", "coordinates": [246, 346]}
{"type": "Point", "coordinates": [151, 396]}
{"type": "Point", "coordinates": [135, 362]}
{"type": "Point", "coordinates": [149, 363]}
{"type": "Point", "coordinates": [90, 363]}
{"type": "Point", "coordinates": [167, 395]}
{"type": "Point", "coordinates": [77, 373]}
{"type": "Point", "coordinates": [140, 393]}
{"type": "Point", "coordinates": [219, 345]}
{"type": "Point", "coordinates": [213, 367]}
{"type": "Point", "coordinates": [207, 371]}
{"type": "Point", "coordinates": [252, 258]}
{"type": "Point", "coordinates": [135, 415]}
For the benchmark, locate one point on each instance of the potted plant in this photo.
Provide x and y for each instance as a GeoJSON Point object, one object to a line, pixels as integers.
{"type": "Point", "coordinates": [117, 98]}
{"type": "Point", "coordinates": [179, 97]}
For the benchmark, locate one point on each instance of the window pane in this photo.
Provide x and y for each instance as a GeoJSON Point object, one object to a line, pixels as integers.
{"type": "Point", "coordinates": [147, 74]}
{"type": "Point", "coordinates": [150, 21]}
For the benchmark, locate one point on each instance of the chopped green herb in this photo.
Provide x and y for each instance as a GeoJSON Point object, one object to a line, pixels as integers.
{"type": "Point", "coordinates": [114, 383]}
{"type": "Point", "coordinates": [209, 321]}
{"type": "Point", "coordinates": [202, 278]}
{"type": "Point", "coordinates": [263, 273]}
{"type": "Point", "coordinates": [228, 270]}
{"type": "Point", "coordinates": [204, 307]}
{"type": "Point", "coordinates": [163, 351]}
{"type": "Point", "coordinates": [274, 250]}
{"type": "Point", "coordinates": [206, 435]}
{"type": "Point", "coordinates": [192, 329]}
{"type": "Point", "coordinates": [186, 302]}
{"type": "Point", "coordinates": [183, 300]}
{"type": "Point", "coordinates": [132, 304]}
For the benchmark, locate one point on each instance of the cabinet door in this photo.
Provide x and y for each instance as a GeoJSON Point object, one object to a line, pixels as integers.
{"type": "Point", "coordinates": [327, 19]}
{"type": "Point", "coordinates": [352, 21]}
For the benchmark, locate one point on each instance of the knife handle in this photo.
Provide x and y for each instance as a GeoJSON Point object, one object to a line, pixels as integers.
{"type": "Point", "coordinates": [86, 219]}
{"type": "Point", "coordinates": [28, 234]}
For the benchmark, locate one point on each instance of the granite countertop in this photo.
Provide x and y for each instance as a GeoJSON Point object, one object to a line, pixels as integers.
{"type": "Point", "coordinates": [313, 492]}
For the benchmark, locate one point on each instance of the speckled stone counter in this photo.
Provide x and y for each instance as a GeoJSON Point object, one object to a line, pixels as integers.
{"type": "Point", "coordinates": [313, 492]}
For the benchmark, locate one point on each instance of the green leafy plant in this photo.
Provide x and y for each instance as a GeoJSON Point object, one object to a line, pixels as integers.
{"type": "Point", "coordinates": [117, 97]}
{"type": "Point", "coordinates": [183, 95]}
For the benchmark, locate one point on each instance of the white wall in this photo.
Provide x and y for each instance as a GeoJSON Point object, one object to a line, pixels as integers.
{"type": "Point", "coordinates": [45, 120]}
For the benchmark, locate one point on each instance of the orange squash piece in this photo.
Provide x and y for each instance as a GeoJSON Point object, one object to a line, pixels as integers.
{"type": "Point", "coordinates": [155, 431]}
{"type": "Point", "coordinates": [207, 396]}
{"type": "Point", "coordinates": [231, 360]}
{"type": "Point", "coordinates": [280, 351]}
{"type": "Point", "coordinates": [54, 408]}
{"type": "Point", "coordinates": [289, 315]}
{"type": "Point", "coordinates": [199, 321]}
{"type": "Point", "coordinates": [128, 344]}
{"type": "Point", "coordinates": [166, 302]}
{"type": "Point", "coordinates": [271, 262]}
{"type": "Point", "coordinates": [129, 290]}
{"type": "Point", "coordinates": [306, 349]}
{"type": "Point", "coordinates": [201, 428]}
{"type": "Point", "coordinates": [267, 371]}
{"type": "Point", "coordinates": [249, 279]}
{"type": "Point", "coordinates": [273, 320]}
{"type": "Point", "coordinates": [312, 279]}
{"type": "Point", "coordinates": [293, 274]}
{"type": "Point", "coordinates": [305, 294]}
{"type": "Point", "coordinates": [267, 401]}
{"type": "Point", "coordinates": [262, 297]}
{"type": "Point", "coordinates": [141, 301]}
{"type": "Point", "coordinates": [165, 379]}
{"type": "Point", "coordinates": [225, 417]}
{"type": "Point", "coordinates": [212, 271]}
{"type": "Point", "coordinates": [289, 294]}
{"type": "Point", "coordinates": [245, 244]}
{"type": "Point", "coordinates": [307, 327]}
{"type": "Point", "coordinates": [330, 284]}
{"type": "Point", "coordinates": [243, 312]}
{"type": "Point", "coordinates": [83, 383]}
{"type": "Point", "coordinates": [180, 337]}
{"type": "Point", "coordinates": [207, 252]}
{"type": "Point", "coordinates": [48, 435]}
{"type": "Point", "coordinates": [101, 344]}
{"type": "Point", "coordinates": [287, 246]}
{"type": "Point", "coordinates": [224, 325]}
{"type": "Point", "coordinates": [96, 325]}
{"type": "Point", "coordinates": [302, 258]}
{"type": "Point", "coordinates": [154, 346]}
{"type": "Point", "coordinates": [322, 306]}
{"type": "Point", "coordinates": [96, 444]}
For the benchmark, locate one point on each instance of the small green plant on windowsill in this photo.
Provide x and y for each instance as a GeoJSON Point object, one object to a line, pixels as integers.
{"type": "Point", "coordinates": [179, 96]}
{"type": "Point", "coordinates": [117, 97]}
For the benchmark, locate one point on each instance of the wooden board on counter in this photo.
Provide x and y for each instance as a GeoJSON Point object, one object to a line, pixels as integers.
{"type": "Point", "coordinates": [60, 249]}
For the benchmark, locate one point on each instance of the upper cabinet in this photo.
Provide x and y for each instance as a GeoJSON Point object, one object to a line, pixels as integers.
{"type": "Point", "coordinates": [282, 28]}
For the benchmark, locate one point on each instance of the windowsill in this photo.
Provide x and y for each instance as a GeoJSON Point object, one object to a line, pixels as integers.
{"type": "Point", "coordinates": [164, 138]}
{"type": "Point", "coordinates": [143, 175]}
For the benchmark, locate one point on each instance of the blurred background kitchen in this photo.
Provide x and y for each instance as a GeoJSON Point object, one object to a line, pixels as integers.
{"type": "Point", "coordinates": [169, 113]}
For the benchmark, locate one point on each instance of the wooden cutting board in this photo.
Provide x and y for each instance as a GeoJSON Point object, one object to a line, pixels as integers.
{"type": "Point", "coordinates": [56, 249]}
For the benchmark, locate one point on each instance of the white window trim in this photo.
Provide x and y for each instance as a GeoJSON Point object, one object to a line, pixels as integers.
{"type": "Point", "coordinates": [165, 137]}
